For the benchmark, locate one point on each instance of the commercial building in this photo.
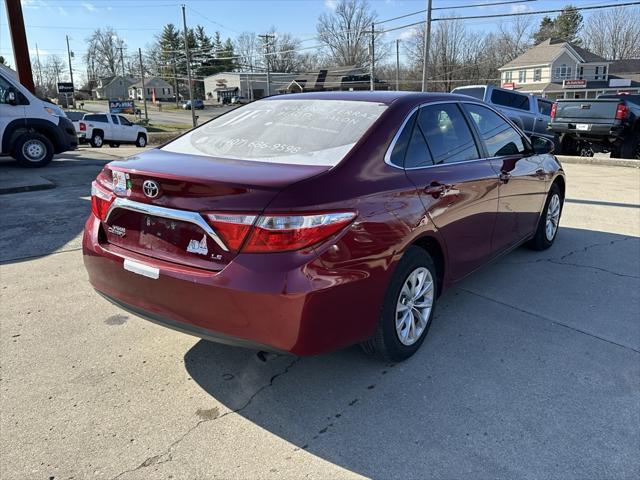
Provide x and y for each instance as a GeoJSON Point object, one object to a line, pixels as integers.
{"type": "Point", "coordinates": [251, 85]}
{"type": "Point", "coordinates": [558, 69]}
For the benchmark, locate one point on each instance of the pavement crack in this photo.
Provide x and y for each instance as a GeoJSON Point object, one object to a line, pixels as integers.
{"type": "Point", "coordinates": [555, 322]}
{"type": "Point", "coordinates": [601, 244]}
{"type": "Point", "coordinates": [167, 454]}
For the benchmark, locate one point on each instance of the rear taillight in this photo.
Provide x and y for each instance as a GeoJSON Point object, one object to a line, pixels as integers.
{"type": "Point", "coordinates": [622, 111]}
{"type": "Point", "coordinates": [554, 108]}
{"type": "Point", "coordinates": [83, 127]}
{"type": "Point", "coordinates": [277, 233]}
{"type": "Point", "coordinates": [101, 200]}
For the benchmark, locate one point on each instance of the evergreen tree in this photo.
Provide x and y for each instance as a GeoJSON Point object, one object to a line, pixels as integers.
{"type": "Point", "coordinates": [565, 26]}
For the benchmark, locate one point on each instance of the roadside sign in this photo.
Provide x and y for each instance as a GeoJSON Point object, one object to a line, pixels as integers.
{"type": "Point", "coordinates": [574, 83]}
{"type": "Point", "coordinates": [65, 87]}
{"type": "Point", "coordinates": [122, 106]}
{"type": "Point", "coordinates": [509, 85]}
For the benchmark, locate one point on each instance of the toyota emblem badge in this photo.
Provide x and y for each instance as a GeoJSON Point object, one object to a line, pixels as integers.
{"type": "Point", "coordinates": [150, 188]}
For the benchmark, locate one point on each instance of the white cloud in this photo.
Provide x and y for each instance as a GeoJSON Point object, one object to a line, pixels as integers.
{"type": "Point", "coordinates": [89, 6]}
{"type": "Point", "coordinates": [35, 4]}
{"type": "Point", "coordinates": [331, 4]}
{"type": "Point", "coordinates": [409, 33]}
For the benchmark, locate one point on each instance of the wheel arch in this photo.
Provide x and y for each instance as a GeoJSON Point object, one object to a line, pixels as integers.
{"type": "Point", "coordinates": [17, 127]}
{"type": "Point", "coordinates": [432, 246]}
{"type": "Point", "coordinates": [559, 180]}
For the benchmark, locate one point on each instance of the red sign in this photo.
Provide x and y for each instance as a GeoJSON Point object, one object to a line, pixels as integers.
{"type": "Point", "coordinates": [574, 84]}
{"type": "Point", "coordinates": [509, 85]}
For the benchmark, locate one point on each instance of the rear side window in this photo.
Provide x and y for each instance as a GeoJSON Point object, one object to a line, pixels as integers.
{"type": "Point", "coordinates": [544, 107]}
{"type": "Point", "coordinates": [96, 118]}
{"type": "Point", "coordinates": [447, 134]}
{"type": "Point", "coordinates": [402, 142]}
{"type": "Point", "coordinates": [498, 136]}
{"type": "Point", "coordinates": [297, 132]}
{"type": "Point", "coordinates": [418, 154]}
{"type": "Point", "coordinates": [510, 99]}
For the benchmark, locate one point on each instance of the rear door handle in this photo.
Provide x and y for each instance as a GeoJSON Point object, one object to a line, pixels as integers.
{"type": "Point", "coordinates": [436, 189]}
{"type": "Point", "coordinates": [505, 176]}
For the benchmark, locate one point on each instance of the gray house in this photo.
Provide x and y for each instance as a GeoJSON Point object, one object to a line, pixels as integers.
{"type": "Point", "coordinates": [163, 90]}
{"type": "Point", "coordinates": [558, 69]}
{"type": "Point", "coordinates": [112, 87]}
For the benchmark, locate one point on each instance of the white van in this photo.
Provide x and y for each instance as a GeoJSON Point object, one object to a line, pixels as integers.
{"type": "Point", "coordinates": [31, 130]}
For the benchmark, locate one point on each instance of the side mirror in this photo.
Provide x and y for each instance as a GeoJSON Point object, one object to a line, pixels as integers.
{"type": "Point", "coordinates": [542, 145]}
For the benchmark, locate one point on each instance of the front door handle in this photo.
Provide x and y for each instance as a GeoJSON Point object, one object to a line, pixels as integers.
{"type": "Point", "coordinates": [505, 176]}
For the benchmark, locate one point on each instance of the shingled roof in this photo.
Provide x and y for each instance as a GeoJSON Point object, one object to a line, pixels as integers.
{"type": "Point", "coordinates": [546, 51]}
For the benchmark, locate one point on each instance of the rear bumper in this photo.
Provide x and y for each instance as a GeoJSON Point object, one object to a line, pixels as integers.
{"type": "Point", "coordinates": [595, 131]}
{"type": "Point", "coordinates": [285, 302]}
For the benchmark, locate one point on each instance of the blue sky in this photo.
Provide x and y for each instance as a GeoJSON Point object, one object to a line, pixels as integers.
{"type": "Point", "coordinates": [48, 21]}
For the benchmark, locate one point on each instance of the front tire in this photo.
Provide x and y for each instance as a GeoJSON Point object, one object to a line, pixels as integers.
{"type": "Point", "coordinates": [408, 307]}
{"type": "Point", "coordinates": [141, 141]}
{"type": "Point", "coordinates": [33, 150]}
{"type": "Point", "coordinates": [630, 148]}
{"type": "Point", "coordinates": [549, 221]}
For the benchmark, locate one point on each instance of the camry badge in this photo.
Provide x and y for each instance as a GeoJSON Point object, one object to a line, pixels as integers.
{"type": "Point", "coordinates": [150, 188]}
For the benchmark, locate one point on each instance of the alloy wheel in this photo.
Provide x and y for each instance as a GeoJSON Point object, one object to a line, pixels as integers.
{"type": "Point", "coordinates": [34, 150]}
{"type": "Point", "coordinates": [414, 305]}
{"type": "Point", "coordinates": [553, 217]}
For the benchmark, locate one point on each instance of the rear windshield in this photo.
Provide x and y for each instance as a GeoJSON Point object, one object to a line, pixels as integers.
{"type": "Point", "coordinates": [302, 132]}
{"type": "Point", "coordinates": [475, 92]}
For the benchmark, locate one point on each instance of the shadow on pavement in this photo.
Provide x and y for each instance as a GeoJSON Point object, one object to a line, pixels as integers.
{"type": "Point", "coordinates": [500, 388]}
{"type": "Point", "coordinates": [38, 223]}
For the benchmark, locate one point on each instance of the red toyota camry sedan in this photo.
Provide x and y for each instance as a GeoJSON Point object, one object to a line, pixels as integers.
{"type": "Point", "coordinates": [306, 223]}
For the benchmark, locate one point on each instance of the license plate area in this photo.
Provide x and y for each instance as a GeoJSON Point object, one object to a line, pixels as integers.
{"type": "Point", "coordinates": [583, 127]}
{"type": "Point", "coordinates": [166, 239]}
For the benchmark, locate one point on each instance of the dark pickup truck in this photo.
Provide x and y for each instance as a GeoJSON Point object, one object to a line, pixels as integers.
{"type": "Point", "coordinates": [610, 123]}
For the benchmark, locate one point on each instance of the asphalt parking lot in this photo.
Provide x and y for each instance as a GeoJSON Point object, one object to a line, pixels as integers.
{"type": "Point", "coordinates": [531, 368]}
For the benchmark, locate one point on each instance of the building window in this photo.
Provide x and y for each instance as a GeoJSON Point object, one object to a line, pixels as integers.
{"type": "Point", "coordinates": [522, 76]}
{"type": "Point", "coordinates": [537, 75]}
{"type": "Point", "coordinates": [508, 77]}
{"type": "Point", "coordinates": [581, 72]}
{"type": "Point", "coordinates": [562, 72]}
{"type": "Point", "coordinates": [601, 72]}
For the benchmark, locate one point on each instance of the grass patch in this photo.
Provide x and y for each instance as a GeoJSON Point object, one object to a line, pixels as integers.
{"type": "Point", "coordinates": [167, 127]}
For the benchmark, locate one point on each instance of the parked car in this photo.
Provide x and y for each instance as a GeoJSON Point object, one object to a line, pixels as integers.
{"type": "Point", "coordinates": [339, 218]}
{"type": "Point", "coordinates": [31, 130]}
{"type": "Point", "coordinates": [610, 123]}
{"type": "Point", "coordinates": [239, 100]}
{"type": "Point", "coordinates": [197, 105]}
{"type": "Point", "coordinates": [530, 113]}
{"type": "Point", "coordinates": [101, 128]}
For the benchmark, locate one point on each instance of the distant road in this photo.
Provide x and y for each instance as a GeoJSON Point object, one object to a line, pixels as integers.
{"type": "Point", "coordinates": [166, 117]}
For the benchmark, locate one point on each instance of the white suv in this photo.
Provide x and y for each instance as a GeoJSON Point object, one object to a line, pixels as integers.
{"type": "Point", "coordinates": [101, 128]}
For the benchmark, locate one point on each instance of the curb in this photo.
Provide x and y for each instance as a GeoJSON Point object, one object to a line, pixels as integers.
{"type": "Point", "coordinates": [31, 185]}
{"type": "Point", "coordinates": [609, 162]}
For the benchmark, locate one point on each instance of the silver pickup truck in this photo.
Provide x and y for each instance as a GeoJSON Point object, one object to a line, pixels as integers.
{"type": "Point", "coordinates": [532, 114]}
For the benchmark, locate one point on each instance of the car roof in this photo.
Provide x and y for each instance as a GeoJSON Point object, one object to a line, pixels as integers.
{"type": "Point", "coordinates": [377, 96]}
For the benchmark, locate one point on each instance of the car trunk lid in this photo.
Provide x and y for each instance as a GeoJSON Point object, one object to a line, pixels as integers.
{"type": "Point", "coordinates": [170, 224]}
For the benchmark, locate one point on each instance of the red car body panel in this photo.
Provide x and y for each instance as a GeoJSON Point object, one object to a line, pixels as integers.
{"type": "Point", "coordinates": [329, 295]}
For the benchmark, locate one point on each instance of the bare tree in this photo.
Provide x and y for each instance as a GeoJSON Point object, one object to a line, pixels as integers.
{"type": "Point", "coordinates": [346, 32]}
{"type": "Point", "coordinates": [613, 34]}
{"type": "Point", "coordinates": [103, 52]}
{"type": "Point", "coordinates": [249, 48]}
{"type": "Point", "coordinates": [283, 55]}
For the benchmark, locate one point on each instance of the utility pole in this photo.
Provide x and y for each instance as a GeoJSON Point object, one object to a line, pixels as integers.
{"type": "Point", "coordinates": [372, 67]}
{"type": "Point", "coordinates": [144, 92]}
{"type": "Point", "coordinates": [124, 84]}
{"type": "Point", "coordinates": [19, 42]}
{"type": "Point", "coordinates": [69, 54]}
{"type": "Point", "coordinates": [175, 79]}
{"type": "Point", "coordinates": [427, 46]}
{"type": "Point", "coordinates": [397, 64]}
{"type": "Point", "coordinates": [186, 51]}
{"type": "Point", "coordinates": [39, 66]}
{"type": "Point", "coordinates": [267, 38]}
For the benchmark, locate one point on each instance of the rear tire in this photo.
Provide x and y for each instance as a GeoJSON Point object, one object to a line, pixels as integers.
{"type": "Point", "coordinates": [569, 146]}
{"type": "Point", "coordinates": [97, 140]}
{"type": "Point", "coordinates": [141, 141]}
{"type": "Point", "coordinates": [33, 150]}
{"type": "Point", "coordinates": [407, 310]}
{"type": "Point", "coordinates": [630, 148]}
{"type": "Point", "coordinates": [545, 234]}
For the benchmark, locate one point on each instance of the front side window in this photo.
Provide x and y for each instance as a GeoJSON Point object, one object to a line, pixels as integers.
{"type": "Point", "coordinates": [499, 137]}
{"type": "Point", "coordinates": [124, 121]}
{"type": "Point", "coordinates": [510, 99]}
{"type": "Point", "coordinates": [447, 133]}
{"type": "Point", "coordinates": [114, 119]}
{"type": "Point", "coordinates": [300, 132]}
